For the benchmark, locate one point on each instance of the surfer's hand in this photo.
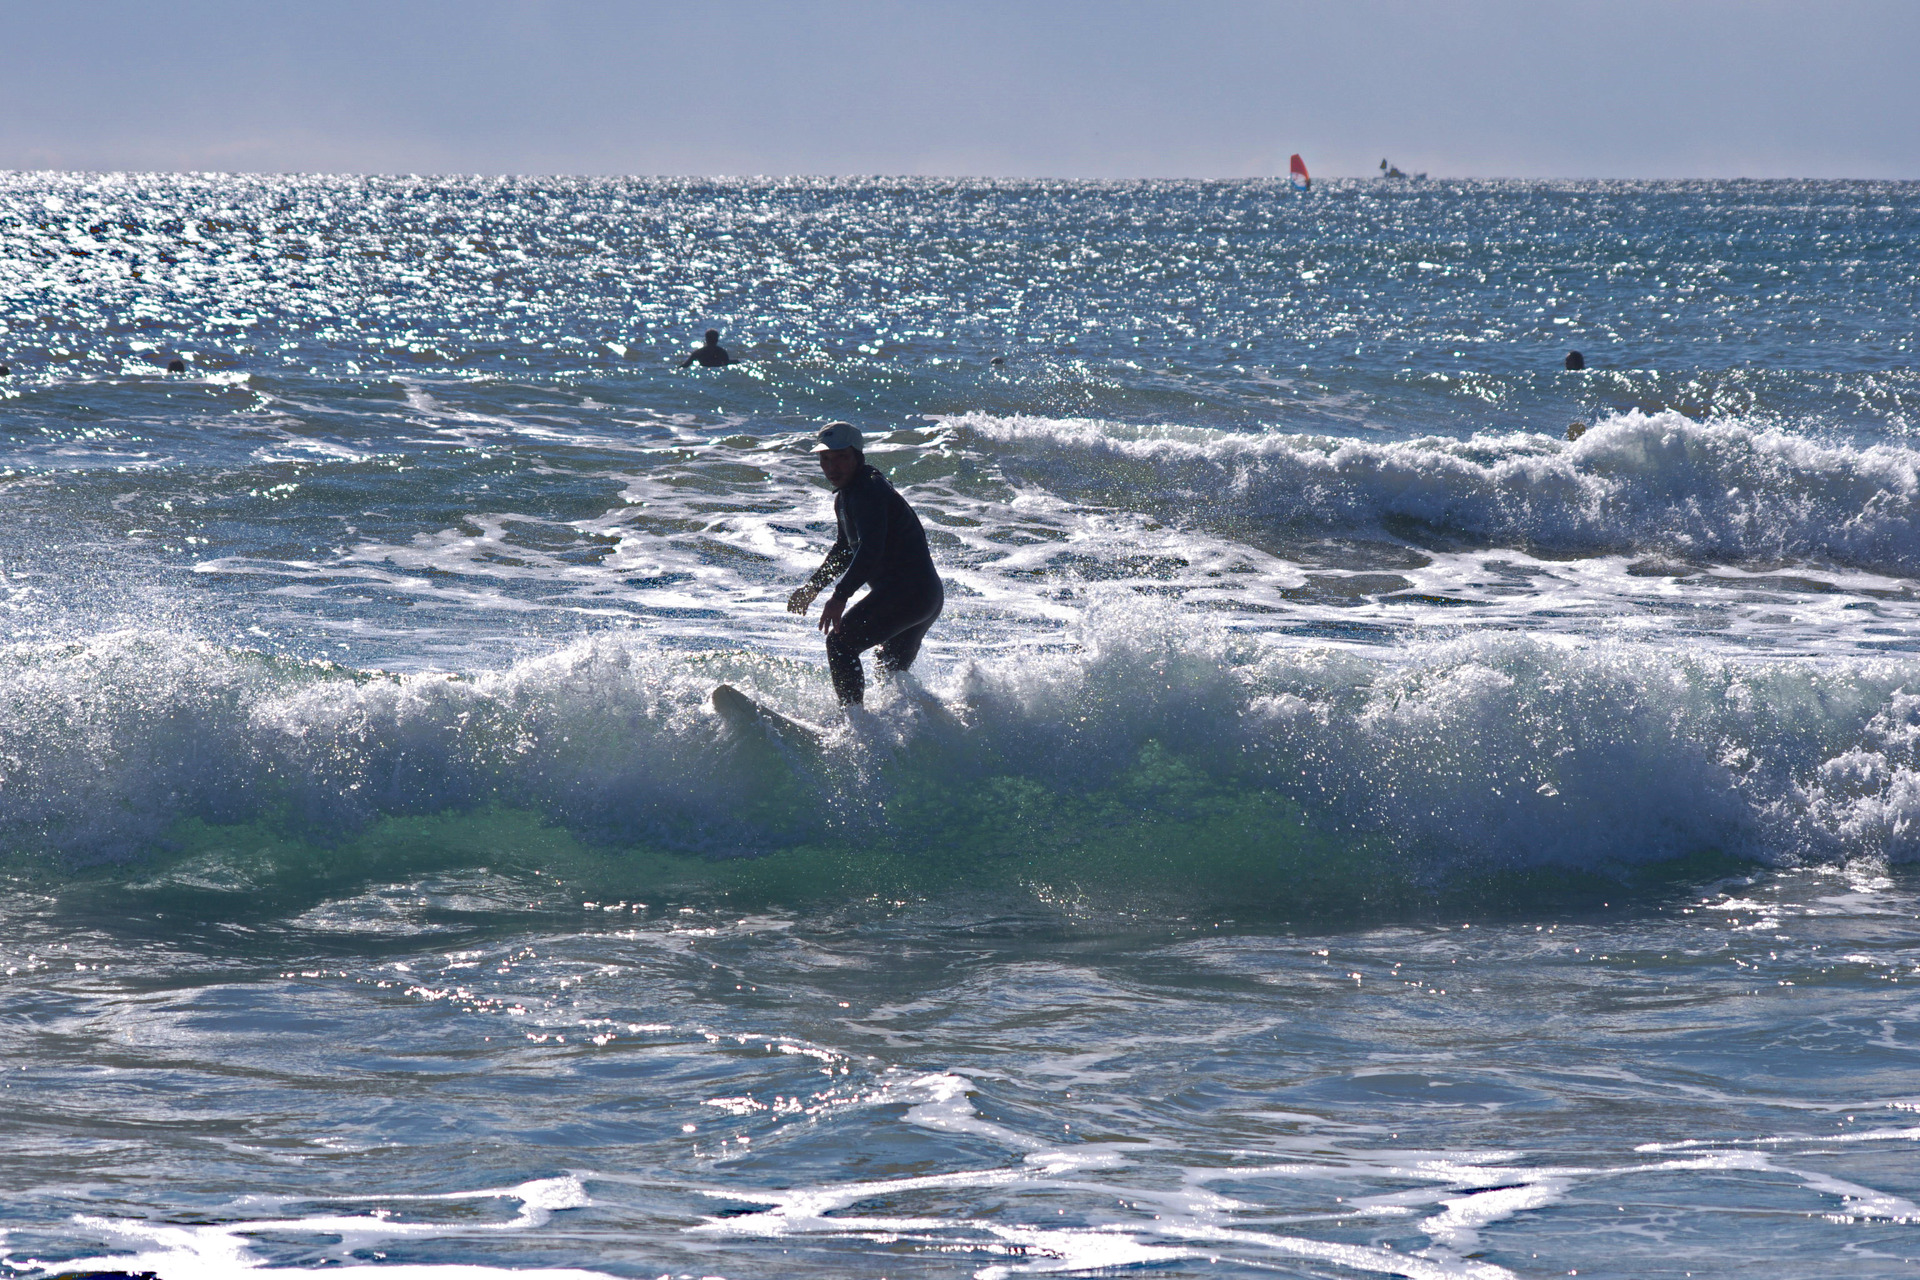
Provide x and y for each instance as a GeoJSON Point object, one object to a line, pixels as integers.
{"type": "Point", "coordinates": [830, 614]}
{"type": "Point", "coordinates": [800, 599]}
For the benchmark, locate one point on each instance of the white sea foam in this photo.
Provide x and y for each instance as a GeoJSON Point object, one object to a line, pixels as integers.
{"type": "Point", "coordinates": [220, 1251]}
{"type": "Point", "coordinates": [1457, 1227]}
{"type": "Point", "coordinates": [1634, 484]}
{"type": "Point", "coordinates": [1658, 528]}
{"type": "Point", "coordinates": [1484, 754]}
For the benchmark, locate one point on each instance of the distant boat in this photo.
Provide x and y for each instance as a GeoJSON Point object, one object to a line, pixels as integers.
{"type": "Point", "coordinates": [1301, 182]}
{"type": "Point", "coordinates": [1393, 171]}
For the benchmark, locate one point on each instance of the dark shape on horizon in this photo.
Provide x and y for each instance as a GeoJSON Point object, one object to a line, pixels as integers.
{"type": "Point", "coordinates": [711, 356]}
{"type": "Point", "coordinates": [1575, 360]}
{"type": "Point", "coordinates": [1394, 171]}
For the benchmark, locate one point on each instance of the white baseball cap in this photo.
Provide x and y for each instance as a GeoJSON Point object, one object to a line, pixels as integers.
{"type": "Point", "coordinates": [838, 435]}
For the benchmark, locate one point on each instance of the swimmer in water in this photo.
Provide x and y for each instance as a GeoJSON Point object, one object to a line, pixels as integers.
{"type": "Point", "coordinates": [711, 356]}
{"type": "Point", "coordinates": [880, 546]}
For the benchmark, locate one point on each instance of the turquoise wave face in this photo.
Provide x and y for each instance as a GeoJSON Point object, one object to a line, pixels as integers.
{"type": "Point", "coordinates": [1153, 767]}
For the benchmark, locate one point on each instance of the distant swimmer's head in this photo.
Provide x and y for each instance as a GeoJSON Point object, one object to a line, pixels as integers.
{"type": "Point", "coordinates": [713, 337]}
{"type": "Point", "coordinates": [176, 365]}
{"type": "Point", "coordinates": [841, 450]}
{"type": "Point", "coordinates": [1575, 360]}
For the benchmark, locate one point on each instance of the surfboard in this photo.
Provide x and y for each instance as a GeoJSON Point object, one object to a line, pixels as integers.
{"type": "Point", "coordinates": [743, 714]}
{"type": "Point", "coordinates": [1297, 169]}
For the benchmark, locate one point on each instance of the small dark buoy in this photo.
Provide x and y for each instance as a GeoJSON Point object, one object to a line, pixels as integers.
{"type": "Point", "coordinates": [176, 365]}
{"type": "Point", "coordinates": [1575, 430]}
{"type": "Point", "coordinates": [998, 360]}
{"type": "Point", "coordinates": [1575, 360]}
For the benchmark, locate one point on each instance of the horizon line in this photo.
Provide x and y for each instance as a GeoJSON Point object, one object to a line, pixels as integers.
{"type": "Point", "coordinates": [1371, 178]}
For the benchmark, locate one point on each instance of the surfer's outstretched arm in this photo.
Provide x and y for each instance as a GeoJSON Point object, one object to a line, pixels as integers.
{"type": "Point", "coordinates": [832, 567]}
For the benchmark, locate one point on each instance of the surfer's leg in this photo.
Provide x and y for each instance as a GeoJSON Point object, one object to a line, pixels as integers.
{"type": "Point", "coordinates": [854, 636]}
{"type": "Point", "coordinates": [843, 658]}
{"type": "Point", "coordinates": [843, 664]}
{"type": "Point", "coordinates": [900, 649]}
{"type": "Point", "coordinates": [898, 653]}
{"type": "Point", "coordinates": [878, 620]}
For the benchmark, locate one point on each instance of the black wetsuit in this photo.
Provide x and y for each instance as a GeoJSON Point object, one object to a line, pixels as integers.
{"type": "Point", "coordinates": [711, 356]}
{"type": "Point", "coordinates": [881, 546]}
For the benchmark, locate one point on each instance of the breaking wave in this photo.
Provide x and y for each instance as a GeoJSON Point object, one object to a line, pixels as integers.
{"type": "Point", "coordinates": [1155, 756]}
{"type": "Point", "coordinates": [1633, 484]}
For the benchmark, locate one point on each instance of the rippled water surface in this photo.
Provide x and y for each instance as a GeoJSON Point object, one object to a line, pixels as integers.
{"type": "Point", "coordinates": [1342, 825]}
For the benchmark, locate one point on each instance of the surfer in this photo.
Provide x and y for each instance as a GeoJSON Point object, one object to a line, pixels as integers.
{"type": "Point", "coordinates": [711, 356]}
{"type": "Point", "coordinates": [880, 546]}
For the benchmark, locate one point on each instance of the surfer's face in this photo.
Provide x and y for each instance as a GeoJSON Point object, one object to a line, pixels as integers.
{"type": "Point", "coordinates": [840, 465]}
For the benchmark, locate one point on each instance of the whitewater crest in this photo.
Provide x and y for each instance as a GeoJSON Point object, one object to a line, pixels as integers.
{"type": "Point", "coordinates": [1635, 484]}
{"type": "Point", "coordinates": [1154, 748]}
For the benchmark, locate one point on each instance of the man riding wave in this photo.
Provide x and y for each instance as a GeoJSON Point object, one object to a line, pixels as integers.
{"type": "Point", "coordinates": [880, 546]}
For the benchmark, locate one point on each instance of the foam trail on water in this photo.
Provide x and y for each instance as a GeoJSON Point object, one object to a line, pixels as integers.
{"type": "Point", "coordinates": [222, 1251]}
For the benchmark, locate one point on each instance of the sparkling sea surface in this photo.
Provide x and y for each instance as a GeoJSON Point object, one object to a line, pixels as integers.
{"type": "Point", "coordinates": [1346, 823]}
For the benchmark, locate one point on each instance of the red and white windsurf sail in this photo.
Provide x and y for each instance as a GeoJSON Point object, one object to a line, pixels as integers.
{"type": "Point", "coordinates": [1299, 170]}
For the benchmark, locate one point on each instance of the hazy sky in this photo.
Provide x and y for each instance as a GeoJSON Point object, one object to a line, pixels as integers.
{"type": "Point", "coordinates": [1062, 88]}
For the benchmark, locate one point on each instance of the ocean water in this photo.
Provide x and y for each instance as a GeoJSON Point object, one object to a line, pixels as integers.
{"type": "Point", "coordinates": [1341, 827]}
